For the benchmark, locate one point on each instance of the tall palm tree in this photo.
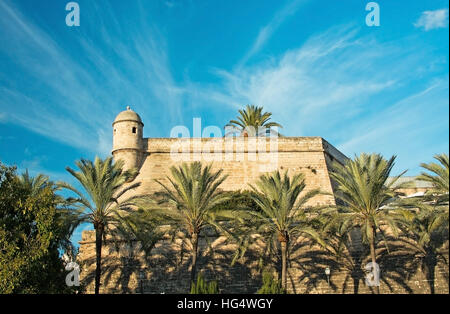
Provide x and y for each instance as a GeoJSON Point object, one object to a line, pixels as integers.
{"type": "Point", "coordinates": [283, 212]}
{"type": "Point", "coordinates": [104, 184]}
{"type": "Point", "coordinates": [365, 192]}
{"type": "Point", "coordinates": [192, 195]}
{"type": "Point", "coordinates": [251, 119]}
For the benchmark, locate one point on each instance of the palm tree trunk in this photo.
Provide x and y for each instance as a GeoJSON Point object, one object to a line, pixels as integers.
{"type": "Point", "coordinates": [430, 268]}
{"type": "Point", "coordinates": [355, 284]}
{"type": "Point", "coordinates": [194, 240]}
{"type": "Point", "coordinates": [373, 256]}
{"type": "Point", "coordinates": [284, 264]}
{"type": "Point", "coordinates": [99, 229]}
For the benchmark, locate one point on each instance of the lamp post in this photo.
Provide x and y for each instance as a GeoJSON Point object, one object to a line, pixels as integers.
{"type": "Point", "coordinates": [328, 272]}
{"type": "Point", "coordinates": [141, 280]}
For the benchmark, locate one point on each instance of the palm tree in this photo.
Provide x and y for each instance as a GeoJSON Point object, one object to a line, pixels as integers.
{"type": "Point", "coordinates": [439, 179]}
{"type": "Point", "coordinates": [425, 219]}
{"type": "Point", "coordinates": [283, 214]}
{"type": "Point", "coordinates": [365, 191]}
{"type": "Point", "coordinates": [251, 119]}
{"type": "Point", "coordinates": [35, 184]}
{"type": "Point", "coordinates": [425, 241]}
{"type": "Point", "coordinates": [192, 196]}
{"type": "Point", "coordinates": [104, 184]}
{"type": "Point", "coordinates": [344, 252]}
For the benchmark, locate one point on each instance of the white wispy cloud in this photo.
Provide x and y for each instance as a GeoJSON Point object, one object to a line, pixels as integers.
{"type": "Point", "coordinates": [349, 88]}
{"type": "Point", "coordinates": [328, 78]}
{"type": "Point", "coordinates": [433, 19]}
{"type": "Point", "coordinates": [404, 126]}
{"type": "Point", "coordinates": [72, 110]}
{"type": "Point", "coordinates": [338, 85]}
{"type": "Point", "coordinates": [268, 30]}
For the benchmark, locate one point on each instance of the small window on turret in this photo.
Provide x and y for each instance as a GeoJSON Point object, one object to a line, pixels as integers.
{"type": "Point", "coordinates": [134, 130]}
{"type": "Point", "coordinates": [114, 131]}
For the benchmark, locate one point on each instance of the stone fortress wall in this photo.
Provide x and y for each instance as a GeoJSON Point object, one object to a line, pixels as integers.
{"type": "Point", "coordinates": [243, 163]}
{"type": "Point", "coordinates": [243, 159]}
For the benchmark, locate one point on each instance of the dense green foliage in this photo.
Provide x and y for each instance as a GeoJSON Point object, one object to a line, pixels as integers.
{"type": "Point", "coordinates": [238, 200]}
{"type": "Point", "coordinates": [31, 233]}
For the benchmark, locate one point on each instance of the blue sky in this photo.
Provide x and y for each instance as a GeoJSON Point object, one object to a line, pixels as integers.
{"type": "Point", "coordinates": [314, 64]}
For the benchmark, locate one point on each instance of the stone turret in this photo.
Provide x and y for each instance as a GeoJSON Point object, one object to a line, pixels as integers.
{"type": "Point", "coordinates": [127, 138]}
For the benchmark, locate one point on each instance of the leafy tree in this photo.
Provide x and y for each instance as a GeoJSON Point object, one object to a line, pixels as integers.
{"type": "Point", "coordinates": [283, 214]}
{"type": "Point", "coordinates": [31, 235]}
{"type": "Point", "coordinates": [103, 202]}
{"type": "Point", "coordinates": [192, 197]}
{"type": "Point", "coordinates": [251, 119]}
{"type": "Point", "coordinates": [366, 193]}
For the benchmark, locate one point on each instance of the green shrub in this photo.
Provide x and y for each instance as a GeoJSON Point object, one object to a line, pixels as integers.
{"type": "Point", "coordinates": [270, 284]}
{"type": "Point", "coordinates": [203, 287]}
{"type": "Point", "coordinates": [238, 200]}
